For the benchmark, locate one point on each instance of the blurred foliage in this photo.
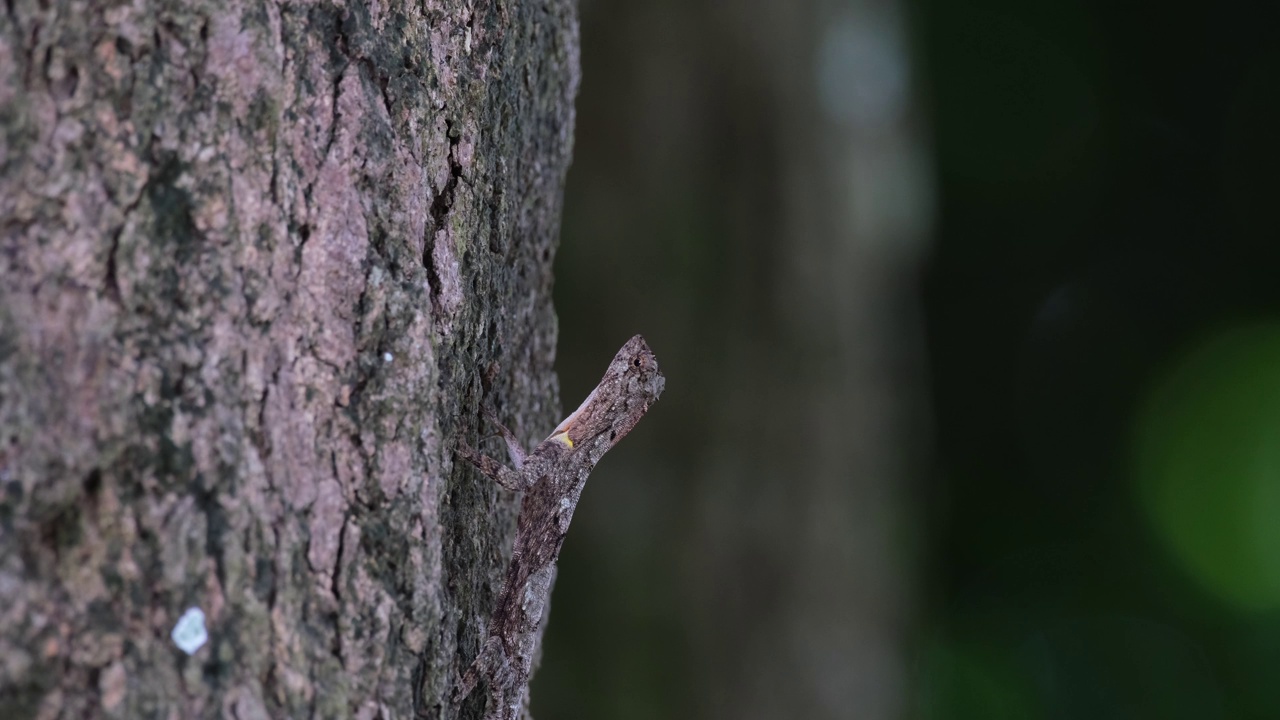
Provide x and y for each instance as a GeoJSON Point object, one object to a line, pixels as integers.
{"type": "Point", "coordinates": [1106, 372]}
{"type": "Point", "coordinates": [1208, 460]}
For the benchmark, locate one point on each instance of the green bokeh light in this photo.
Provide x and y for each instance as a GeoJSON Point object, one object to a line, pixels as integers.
{"type": "Point", "coordinates": [1207, 457]}
{"type": "Point", "coordinates": [966, 679]}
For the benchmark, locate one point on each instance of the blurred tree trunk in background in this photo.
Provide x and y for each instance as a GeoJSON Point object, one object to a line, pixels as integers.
{"type": "Point", "coordinates": [761, 169]}
{"type": "Point", "coordinates": [804, 495]}
{"type": "Point", "coordinates": [255, 260]}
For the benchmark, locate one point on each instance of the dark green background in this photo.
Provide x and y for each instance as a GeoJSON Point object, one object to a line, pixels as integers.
{"type": "Point", "coordinates": [1101, 337]}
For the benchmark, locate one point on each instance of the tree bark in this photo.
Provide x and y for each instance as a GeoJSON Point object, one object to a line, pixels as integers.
{"type": "Point", "coordinates": [258, 259]}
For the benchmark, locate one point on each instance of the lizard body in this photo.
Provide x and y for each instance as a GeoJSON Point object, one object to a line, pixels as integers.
{"type": "Point", "coordinates": [552, 477]}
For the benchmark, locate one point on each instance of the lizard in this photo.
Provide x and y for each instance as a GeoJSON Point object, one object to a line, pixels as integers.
{"type": "Point", "coordinates": [551, 477]}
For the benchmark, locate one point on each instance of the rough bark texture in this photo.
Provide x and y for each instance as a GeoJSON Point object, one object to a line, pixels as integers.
{"type": "Point", "coordinates": [256, 258]}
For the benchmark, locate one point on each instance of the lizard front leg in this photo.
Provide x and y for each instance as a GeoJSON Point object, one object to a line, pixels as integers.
{"type": "Point", "coordinates": [514, 449]}
{"type": "Point", "coordinates": [494, 470]}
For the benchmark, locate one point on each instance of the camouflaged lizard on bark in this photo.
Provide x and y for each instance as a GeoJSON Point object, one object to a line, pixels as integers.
{"type": "Point", "coordinates": [552, 478]}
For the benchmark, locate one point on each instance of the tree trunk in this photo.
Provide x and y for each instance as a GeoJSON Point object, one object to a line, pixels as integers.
{"type": "Point", "coordinates": [257, 259]}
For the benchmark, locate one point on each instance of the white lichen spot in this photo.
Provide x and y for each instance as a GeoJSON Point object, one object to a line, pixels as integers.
{"type": "Point", "coordinates": [190, 634]}
{"type": "Point", "coordinates": [387, 357]}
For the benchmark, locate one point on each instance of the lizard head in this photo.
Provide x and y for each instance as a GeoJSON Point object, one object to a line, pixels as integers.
{"type": "Point", "coordinates": [637, 368]}
{"type": "Point", "coordinates": [632, 383]}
